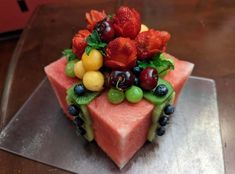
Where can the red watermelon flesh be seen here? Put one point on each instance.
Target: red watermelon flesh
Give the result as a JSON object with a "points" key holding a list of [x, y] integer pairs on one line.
{"points": [[59, 81], [120, 130]]}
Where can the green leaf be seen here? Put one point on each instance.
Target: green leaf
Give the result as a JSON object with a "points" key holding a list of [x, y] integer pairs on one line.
{"points": [[88, 50], [159, 62], [68, 53], [94, 42]]}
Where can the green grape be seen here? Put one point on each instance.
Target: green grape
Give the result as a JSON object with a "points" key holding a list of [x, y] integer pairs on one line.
{"points": [[115, 96], [69, 69], [134, 94]]}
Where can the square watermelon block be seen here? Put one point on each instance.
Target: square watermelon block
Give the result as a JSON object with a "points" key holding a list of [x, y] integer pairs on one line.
{"points": [[120, 130]]}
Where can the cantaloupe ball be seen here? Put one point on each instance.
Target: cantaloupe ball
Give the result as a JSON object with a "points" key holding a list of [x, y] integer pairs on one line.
{"points": [[79, 69]]}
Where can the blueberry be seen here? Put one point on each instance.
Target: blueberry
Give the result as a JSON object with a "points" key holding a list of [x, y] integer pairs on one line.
{"points": [[163, 121], [169, 109], [161, 90], [136, 81], [161, 131], [82, 131], [137, 70], [79, 89], [73, 110], [79, 121]]}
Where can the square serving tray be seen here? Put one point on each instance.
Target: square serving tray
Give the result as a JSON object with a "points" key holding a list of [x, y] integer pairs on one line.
{"points": [[191, 145]]}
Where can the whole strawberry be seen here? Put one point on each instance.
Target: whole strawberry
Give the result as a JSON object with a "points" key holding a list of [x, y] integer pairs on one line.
{"points": [[93, 17], [79, 42], [121, 54], [127, 22], [151, 42]]}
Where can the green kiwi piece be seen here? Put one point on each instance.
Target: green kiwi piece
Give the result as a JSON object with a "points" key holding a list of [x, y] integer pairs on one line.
{"points": [[85, 114], [89, 132], [152, 132], [156, 100], [84, 99]]}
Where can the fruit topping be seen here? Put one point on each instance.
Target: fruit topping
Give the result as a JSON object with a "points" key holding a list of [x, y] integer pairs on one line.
{"points": [[93, 61], [105, 30], [82, 131], [127, 22], [156, 100], [79, 42], [137, 70], [94, 42], [93, 80], [121, 54], [84, 99], [69, 69], [136, 81], [143, 28], [79, 89], [79, 69], [134, 94], [78, 121], [161, 131], [169, 109], [121, 79], [73, 110], [163, 121], [161, 90], [152, 132], [115, 96], [148, 78], [150, 42], [93, 17]]}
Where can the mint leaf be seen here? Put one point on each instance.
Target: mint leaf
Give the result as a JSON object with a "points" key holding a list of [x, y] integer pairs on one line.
{"points": [[88, 50], [159, 62], [68, 53], [94, 42], [143, 64]]}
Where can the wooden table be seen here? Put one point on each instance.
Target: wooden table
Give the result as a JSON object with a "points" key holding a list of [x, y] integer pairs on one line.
{"points": [[203, 32]]}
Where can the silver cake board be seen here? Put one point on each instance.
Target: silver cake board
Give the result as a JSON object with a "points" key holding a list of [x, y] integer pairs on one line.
{"points": [[191, 145]]}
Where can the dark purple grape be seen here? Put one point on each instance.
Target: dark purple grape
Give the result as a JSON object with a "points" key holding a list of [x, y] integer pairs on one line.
{"points": [[121, 79]]}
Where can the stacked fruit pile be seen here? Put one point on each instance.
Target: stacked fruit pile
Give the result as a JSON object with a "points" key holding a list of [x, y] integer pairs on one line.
{"points": [[119, 54]]}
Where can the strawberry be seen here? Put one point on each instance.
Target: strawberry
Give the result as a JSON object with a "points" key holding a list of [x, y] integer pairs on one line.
{"points": [[79, 42], [127, 22], [150, 42], [93, 17], [121, 54]]}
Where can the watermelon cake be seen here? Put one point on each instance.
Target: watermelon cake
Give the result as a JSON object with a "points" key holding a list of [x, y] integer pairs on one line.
{"points": [[117, 84]]}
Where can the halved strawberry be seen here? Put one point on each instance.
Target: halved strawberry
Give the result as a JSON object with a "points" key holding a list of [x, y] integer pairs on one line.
{"points": [[93, 17], [150, 42], [79, 42], [121, 54], [127, 22]]}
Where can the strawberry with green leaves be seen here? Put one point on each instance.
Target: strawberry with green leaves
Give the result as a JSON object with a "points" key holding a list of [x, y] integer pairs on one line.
{"points": [[79, 42]]}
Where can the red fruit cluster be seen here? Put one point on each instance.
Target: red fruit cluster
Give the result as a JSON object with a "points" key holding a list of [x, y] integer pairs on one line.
{"points": [[79, 42], [151, 42], [121, 54], [93, 17], [127, 22]]}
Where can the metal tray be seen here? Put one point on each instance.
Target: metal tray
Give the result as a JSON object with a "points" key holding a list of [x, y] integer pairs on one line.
{"points": [[192, 143]]}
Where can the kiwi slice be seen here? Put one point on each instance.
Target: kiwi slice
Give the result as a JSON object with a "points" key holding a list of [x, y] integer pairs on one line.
{"points": [[84, 99], [85, 114], [157, 111], [172, 98], [156, 100], [152, 132], [89, 132]]}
